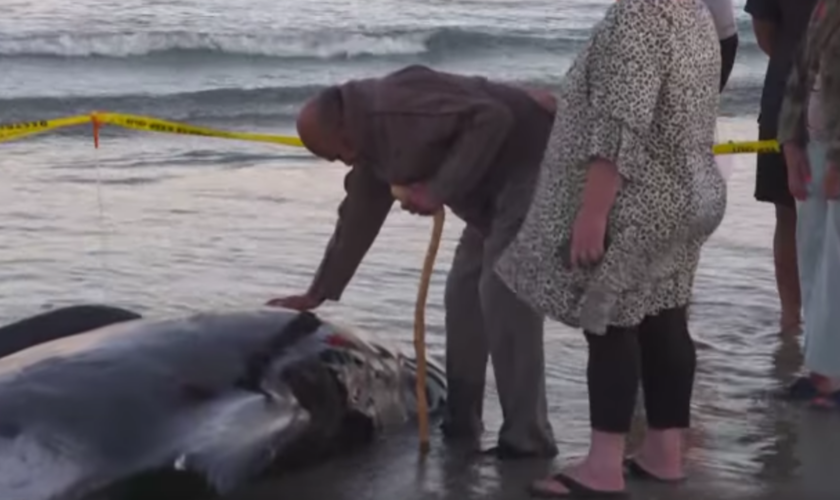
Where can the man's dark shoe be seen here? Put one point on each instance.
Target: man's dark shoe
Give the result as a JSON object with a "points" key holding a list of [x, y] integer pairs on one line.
{"points": [[507, 452], [802, 389], [455, 432]]}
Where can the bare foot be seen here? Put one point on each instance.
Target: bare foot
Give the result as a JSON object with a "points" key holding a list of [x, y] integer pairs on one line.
{"points": [[661, 454]]}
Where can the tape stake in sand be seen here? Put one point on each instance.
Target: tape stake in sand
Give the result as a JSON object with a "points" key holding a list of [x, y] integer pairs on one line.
{"points": [[96, 126]]}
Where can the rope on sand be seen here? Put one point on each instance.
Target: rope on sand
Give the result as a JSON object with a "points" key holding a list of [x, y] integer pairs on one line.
{"points": [[420, 321]]}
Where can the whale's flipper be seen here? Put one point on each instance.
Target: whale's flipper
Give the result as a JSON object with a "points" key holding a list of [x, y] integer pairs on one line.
{"points": [[238, 436]]}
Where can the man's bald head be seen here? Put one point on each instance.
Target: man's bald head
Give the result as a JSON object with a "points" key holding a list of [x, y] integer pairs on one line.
{"points": [[320, 126]]}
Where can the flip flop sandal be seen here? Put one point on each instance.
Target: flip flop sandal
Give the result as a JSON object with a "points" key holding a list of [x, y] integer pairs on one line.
{"points": [[828, 402], [802, 389], [632, 468], [576, 490], [503, 452], [507, 452]]}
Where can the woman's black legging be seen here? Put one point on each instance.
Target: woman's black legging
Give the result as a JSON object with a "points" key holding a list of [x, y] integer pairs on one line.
{"points": [[661, 354]]}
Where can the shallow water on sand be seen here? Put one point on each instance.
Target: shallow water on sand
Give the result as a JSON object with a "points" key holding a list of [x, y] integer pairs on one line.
{"points": [[205, 233]]}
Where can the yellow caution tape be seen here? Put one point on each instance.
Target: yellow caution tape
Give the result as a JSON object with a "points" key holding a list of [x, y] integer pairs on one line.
{"points": [[10, 136], [15, 131], [156, 125], [734, 148]]}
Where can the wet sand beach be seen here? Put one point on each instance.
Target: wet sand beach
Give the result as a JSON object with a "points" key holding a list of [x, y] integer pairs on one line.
{"points": [[187, 236]]}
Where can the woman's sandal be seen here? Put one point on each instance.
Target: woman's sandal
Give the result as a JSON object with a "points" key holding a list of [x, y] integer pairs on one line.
{"points": [[632, 468], [802, 389], [829, 402], [576, 490]]}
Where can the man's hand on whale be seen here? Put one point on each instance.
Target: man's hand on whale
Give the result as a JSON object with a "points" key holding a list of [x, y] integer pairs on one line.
{"points": [[305, 302]]}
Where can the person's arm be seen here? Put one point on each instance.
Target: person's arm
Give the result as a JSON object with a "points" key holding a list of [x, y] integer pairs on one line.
{"points": [[830, 79], [602, 185], [728, 50], [360, 218], [481, 131], [766, 16], [765, 32], [792, 124], [723, 15], [625, 80]]}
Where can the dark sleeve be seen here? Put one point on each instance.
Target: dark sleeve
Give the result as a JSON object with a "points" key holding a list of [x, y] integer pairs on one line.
{"points": [[800, 81], [830, 91], [481, 134], [765, 10], [360, 217], [728, 50], [440, 129]]}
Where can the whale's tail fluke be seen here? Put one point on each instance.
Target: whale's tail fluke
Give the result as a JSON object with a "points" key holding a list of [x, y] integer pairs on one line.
{"points": [[57, 324]]}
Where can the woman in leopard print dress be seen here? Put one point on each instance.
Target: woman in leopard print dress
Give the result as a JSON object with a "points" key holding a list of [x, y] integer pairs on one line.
{"points": [[628, 193]]}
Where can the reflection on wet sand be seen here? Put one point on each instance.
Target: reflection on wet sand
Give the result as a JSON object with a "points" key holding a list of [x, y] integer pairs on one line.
{"points": [[778, 457]]}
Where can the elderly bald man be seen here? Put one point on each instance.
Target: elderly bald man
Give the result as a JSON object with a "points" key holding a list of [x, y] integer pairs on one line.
{"points": [[474, 146]]}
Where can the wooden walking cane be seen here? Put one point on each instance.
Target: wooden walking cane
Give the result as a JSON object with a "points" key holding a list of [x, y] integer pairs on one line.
{"points": [[420, 320]]}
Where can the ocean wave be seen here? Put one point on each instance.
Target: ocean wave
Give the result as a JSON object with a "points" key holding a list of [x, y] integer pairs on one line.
{"points": [[208, 106], [303, 46], [268, 107], [323, 45]]}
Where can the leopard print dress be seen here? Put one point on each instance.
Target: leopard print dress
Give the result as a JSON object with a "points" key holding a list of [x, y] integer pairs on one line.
{"points": [[643, 93]]}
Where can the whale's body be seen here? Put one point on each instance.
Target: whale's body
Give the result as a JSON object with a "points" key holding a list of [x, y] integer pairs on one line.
{"points": [[223, 396]]}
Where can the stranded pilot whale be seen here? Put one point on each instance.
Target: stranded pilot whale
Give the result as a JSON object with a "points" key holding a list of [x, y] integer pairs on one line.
{"points": [[219, 396]]}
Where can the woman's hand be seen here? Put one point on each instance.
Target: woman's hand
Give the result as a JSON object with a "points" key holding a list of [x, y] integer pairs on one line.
{"points": [[588, 236], [304, 302], [590, 226], [798, 170]]}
